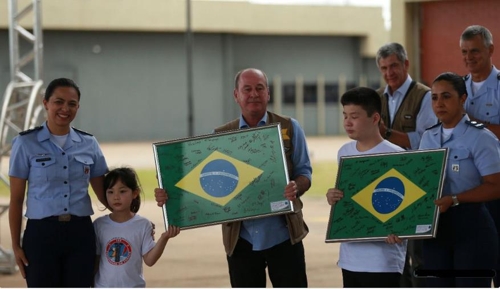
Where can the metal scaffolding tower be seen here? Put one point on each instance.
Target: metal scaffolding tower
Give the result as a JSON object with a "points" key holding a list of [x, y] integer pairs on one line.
{"points": [[22, 101], [22, 104]]}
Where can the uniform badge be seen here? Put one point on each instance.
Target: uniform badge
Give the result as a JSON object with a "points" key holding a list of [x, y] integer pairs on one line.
{"points": [[86, 170], [455, 168]]}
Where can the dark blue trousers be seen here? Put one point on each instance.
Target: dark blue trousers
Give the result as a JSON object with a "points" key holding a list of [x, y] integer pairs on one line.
{"points": [[285, 262], [370, 279], [466, 240], [494, 209], [414, 253], [60, 254]]}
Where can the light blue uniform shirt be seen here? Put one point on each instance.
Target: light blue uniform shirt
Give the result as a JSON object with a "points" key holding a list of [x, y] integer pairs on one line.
{"points": [[485, 104], [58, 178], [425, 117], [473, 153], [264, 233]]}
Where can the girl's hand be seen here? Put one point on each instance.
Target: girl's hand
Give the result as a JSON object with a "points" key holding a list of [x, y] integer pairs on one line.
{"points": [[171, 232], [393, 239], [333, 195]]}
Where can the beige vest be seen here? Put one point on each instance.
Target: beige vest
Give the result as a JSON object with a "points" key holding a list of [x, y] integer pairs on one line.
{"points": [[405, 118], [297, 228]]}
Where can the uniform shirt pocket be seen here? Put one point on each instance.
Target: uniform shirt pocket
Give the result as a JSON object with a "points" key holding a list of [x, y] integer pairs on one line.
{"points": [[42, 168], [80, 168], [489, 112], [460, 161]]}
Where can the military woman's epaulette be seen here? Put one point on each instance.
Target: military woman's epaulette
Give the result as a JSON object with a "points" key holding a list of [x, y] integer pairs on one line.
{"points": [[431, 127], [31, 130], [475, 124], [82, 132]]}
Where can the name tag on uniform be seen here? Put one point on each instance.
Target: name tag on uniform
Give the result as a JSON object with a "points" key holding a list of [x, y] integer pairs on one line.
{"points": [[455, 168], [42, 160]]}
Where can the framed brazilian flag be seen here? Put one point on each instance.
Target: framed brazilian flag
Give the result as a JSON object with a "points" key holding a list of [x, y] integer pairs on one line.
{"points": [[391, 193], [223, 177]]}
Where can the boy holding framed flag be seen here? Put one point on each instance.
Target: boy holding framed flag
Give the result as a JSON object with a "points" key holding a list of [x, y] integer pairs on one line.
{"points": [[372, 263]]}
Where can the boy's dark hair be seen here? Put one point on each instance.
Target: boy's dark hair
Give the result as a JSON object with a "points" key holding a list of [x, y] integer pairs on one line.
{"points": [[60, 82], [129, 178], [365, 97], [455, 80]]}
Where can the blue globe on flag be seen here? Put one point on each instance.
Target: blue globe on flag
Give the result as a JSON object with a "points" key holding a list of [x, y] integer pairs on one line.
{"points": [[219, 178], [388, 195]]}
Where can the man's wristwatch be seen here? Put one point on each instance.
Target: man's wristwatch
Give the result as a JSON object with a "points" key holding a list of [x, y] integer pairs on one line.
{"points": [[455, 200], [388, 133]]}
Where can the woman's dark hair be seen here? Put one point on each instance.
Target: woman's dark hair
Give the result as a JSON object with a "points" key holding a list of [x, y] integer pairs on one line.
{"points": [[455, 80], [129, 178], [60, 82]]}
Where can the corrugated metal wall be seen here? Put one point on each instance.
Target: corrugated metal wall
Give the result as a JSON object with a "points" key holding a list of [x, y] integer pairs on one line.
{"points": [[134, 84]]}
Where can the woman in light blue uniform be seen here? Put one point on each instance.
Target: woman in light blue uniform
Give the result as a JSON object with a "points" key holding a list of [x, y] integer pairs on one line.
{"points": [[54, 164], [466, 238]]}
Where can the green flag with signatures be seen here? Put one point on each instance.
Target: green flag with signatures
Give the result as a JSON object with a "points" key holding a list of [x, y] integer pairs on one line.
{"points": [[386, 194], [223, 177]]}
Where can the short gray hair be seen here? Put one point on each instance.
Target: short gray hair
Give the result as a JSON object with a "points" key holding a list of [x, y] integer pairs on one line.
{"points": [[473, 30], [390, 49]]}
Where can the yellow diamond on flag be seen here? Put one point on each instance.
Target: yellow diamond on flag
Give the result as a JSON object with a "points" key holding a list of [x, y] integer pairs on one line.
{"points": [[388, 195], [219, 178]]}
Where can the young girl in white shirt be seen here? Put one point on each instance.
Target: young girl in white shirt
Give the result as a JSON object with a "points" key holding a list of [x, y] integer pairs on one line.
{"points": [[123, 237]]}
